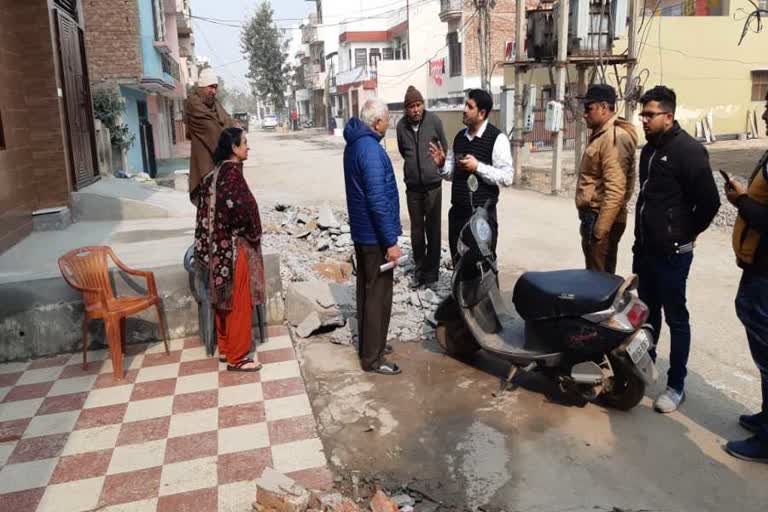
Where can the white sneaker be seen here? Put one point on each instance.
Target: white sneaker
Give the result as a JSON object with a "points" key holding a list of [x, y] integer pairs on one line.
{"points": [[669, 401]]}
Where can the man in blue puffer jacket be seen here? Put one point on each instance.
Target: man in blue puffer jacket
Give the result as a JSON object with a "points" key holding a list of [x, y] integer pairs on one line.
{"points": [[373, 206]]}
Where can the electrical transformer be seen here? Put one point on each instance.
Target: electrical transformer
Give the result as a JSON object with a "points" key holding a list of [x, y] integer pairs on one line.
{"points": [[593, 25]]}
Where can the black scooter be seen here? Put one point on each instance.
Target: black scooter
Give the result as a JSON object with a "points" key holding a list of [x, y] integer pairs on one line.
{"points": [[584, 328]]}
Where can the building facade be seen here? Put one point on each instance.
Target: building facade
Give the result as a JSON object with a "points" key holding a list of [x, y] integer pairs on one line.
{"points": [[134, 51], [47, 142], [712, 75]]}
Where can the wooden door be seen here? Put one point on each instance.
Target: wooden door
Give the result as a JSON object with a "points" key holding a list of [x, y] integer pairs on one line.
{"points": [[77, 101]]}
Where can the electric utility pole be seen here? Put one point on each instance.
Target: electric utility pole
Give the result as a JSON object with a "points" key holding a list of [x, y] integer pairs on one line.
{"points": [[561, 63], [484, 36], [520, 56]]}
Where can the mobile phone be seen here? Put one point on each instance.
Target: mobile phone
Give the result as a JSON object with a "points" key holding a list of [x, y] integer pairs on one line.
{"points": [[726, 178], [436, 141]]}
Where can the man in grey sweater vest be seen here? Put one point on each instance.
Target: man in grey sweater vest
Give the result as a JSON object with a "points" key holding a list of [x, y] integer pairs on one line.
{"points": [[415, 131]]}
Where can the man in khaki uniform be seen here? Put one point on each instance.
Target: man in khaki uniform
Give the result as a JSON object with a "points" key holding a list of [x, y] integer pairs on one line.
{"points": [[205, 118], [606, 179]]}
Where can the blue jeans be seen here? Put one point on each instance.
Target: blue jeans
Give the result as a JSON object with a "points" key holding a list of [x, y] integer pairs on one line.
{"points": [[752, 310], [662, 285]]}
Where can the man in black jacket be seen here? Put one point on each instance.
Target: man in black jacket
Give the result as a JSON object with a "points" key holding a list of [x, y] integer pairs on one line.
{"points": [[423, 188], [750, 243], [677, 202]]}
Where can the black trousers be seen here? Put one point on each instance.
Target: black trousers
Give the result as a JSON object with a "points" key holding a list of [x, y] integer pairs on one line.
{"points": [[374, 304], [458, 217], [424, 209]]}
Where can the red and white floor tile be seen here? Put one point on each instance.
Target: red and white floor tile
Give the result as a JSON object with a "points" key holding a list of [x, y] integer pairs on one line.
{"points": [[180, 433]]}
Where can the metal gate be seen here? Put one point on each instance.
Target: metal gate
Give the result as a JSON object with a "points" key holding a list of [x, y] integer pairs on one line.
{"points": [[77, 101]]}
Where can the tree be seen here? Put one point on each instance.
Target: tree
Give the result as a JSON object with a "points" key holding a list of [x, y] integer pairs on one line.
{"points": [[266, 50]]}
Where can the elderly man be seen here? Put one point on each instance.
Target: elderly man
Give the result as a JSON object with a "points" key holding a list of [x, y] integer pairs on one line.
{"points": [[606, 178], [205, 118], [374, 218], [422, 184]]}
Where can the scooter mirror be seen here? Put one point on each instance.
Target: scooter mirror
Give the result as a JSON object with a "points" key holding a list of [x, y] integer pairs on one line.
{"points": [[472, 183]]}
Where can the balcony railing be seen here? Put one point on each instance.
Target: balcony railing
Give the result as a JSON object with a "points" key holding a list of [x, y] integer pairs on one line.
{"points": [[451, 9], [359, 74], [309, 30], [170, 66]]}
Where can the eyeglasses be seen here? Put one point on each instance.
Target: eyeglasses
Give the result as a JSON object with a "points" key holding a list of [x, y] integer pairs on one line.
{"points": [[650, 115]]}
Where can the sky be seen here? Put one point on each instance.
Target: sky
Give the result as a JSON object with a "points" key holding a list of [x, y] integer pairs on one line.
{"points": [[221, 44]]}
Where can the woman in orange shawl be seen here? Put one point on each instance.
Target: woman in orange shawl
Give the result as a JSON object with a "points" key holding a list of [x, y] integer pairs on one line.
{"points": [[228, 249]]}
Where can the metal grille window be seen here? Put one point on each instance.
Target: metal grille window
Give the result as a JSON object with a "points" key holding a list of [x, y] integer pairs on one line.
{"points": [[759, 85], [69, 6], [454, 54], [158, 17], [360, 57], [388, 53], [374, 57]]}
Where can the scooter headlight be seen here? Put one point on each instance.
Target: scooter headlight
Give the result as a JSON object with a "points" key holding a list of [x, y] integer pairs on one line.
{"points": [[483, 230]]}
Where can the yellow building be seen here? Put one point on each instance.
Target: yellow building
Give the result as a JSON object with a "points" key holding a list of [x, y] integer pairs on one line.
{"points": [[693, 47]]}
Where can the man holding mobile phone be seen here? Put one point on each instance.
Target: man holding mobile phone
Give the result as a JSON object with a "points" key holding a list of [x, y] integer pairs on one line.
{"points": [[423, 184], [485, 152], [750, 243]]}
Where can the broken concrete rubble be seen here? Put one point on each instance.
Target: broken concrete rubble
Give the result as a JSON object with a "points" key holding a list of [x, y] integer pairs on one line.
{"points": [[309, 325], [308, 298], [278, 493], [321, 256], [326, 218], [381, 503]]}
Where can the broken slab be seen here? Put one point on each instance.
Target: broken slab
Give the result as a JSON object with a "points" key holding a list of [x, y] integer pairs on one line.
{"points": [[338, 272], [309, 325], [307, 297], [279, 493], [381, 503], [326, 218]]}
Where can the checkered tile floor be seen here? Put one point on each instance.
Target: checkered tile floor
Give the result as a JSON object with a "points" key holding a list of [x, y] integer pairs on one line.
{"points": [[180, 433]]}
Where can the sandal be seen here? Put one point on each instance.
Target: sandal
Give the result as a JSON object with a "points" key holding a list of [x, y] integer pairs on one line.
{"points": [[388, 349], [238, 367], [222, 359], [388, 369]]}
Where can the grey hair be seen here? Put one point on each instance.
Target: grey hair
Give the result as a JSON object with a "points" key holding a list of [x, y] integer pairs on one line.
{"points": [[373, 110]]}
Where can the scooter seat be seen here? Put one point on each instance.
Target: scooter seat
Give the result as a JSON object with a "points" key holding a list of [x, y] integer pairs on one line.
{"points": [[562, 293]]}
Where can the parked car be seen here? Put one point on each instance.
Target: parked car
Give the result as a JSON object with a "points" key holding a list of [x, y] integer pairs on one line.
{"points": [[270, 123]]}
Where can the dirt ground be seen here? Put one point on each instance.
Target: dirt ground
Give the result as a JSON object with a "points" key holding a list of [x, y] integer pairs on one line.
{"points": [[443, 429]]}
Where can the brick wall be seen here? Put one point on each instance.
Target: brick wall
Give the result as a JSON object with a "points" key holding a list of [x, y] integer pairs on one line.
{"points": [[33, 168], [112, 40], [502, 30]]}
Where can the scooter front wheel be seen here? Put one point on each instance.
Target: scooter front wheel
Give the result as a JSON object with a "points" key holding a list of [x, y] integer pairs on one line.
{"points": [[455, 339]]}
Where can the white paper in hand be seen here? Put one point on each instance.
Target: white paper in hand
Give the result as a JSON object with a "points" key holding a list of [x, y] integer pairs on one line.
{"points": [[390, 265]]}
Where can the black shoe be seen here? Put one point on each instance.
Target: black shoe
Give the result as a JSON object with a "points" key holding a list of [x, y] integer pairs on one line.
{"points": [[752, 422], [416, 283], [388, 349], [753, 449]]}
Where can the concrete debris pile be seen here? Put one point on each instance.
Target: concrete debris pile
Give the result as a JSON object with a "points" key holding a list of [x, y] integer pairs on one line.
{"points": [[276, 492], [318, 267]]}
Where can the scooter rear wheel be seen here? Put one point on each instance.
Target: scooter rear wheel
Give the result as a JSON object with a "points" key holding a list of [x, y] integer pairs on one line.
{"points": [[455, 339], [628, 388]]}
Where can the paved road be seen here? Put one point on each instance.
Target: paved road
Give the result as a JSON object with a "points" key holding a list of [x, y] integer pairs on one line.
{"points": [[523, 449]]}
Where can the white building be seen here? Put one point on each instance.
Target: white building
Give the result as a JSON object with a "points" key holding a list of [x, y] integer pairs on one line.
{"points": [[354, 49]]}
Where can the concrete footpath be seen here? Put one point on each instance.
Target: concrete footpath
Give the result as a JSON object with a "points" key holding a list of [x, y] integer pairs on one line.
{"points": [[41, 315]]}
